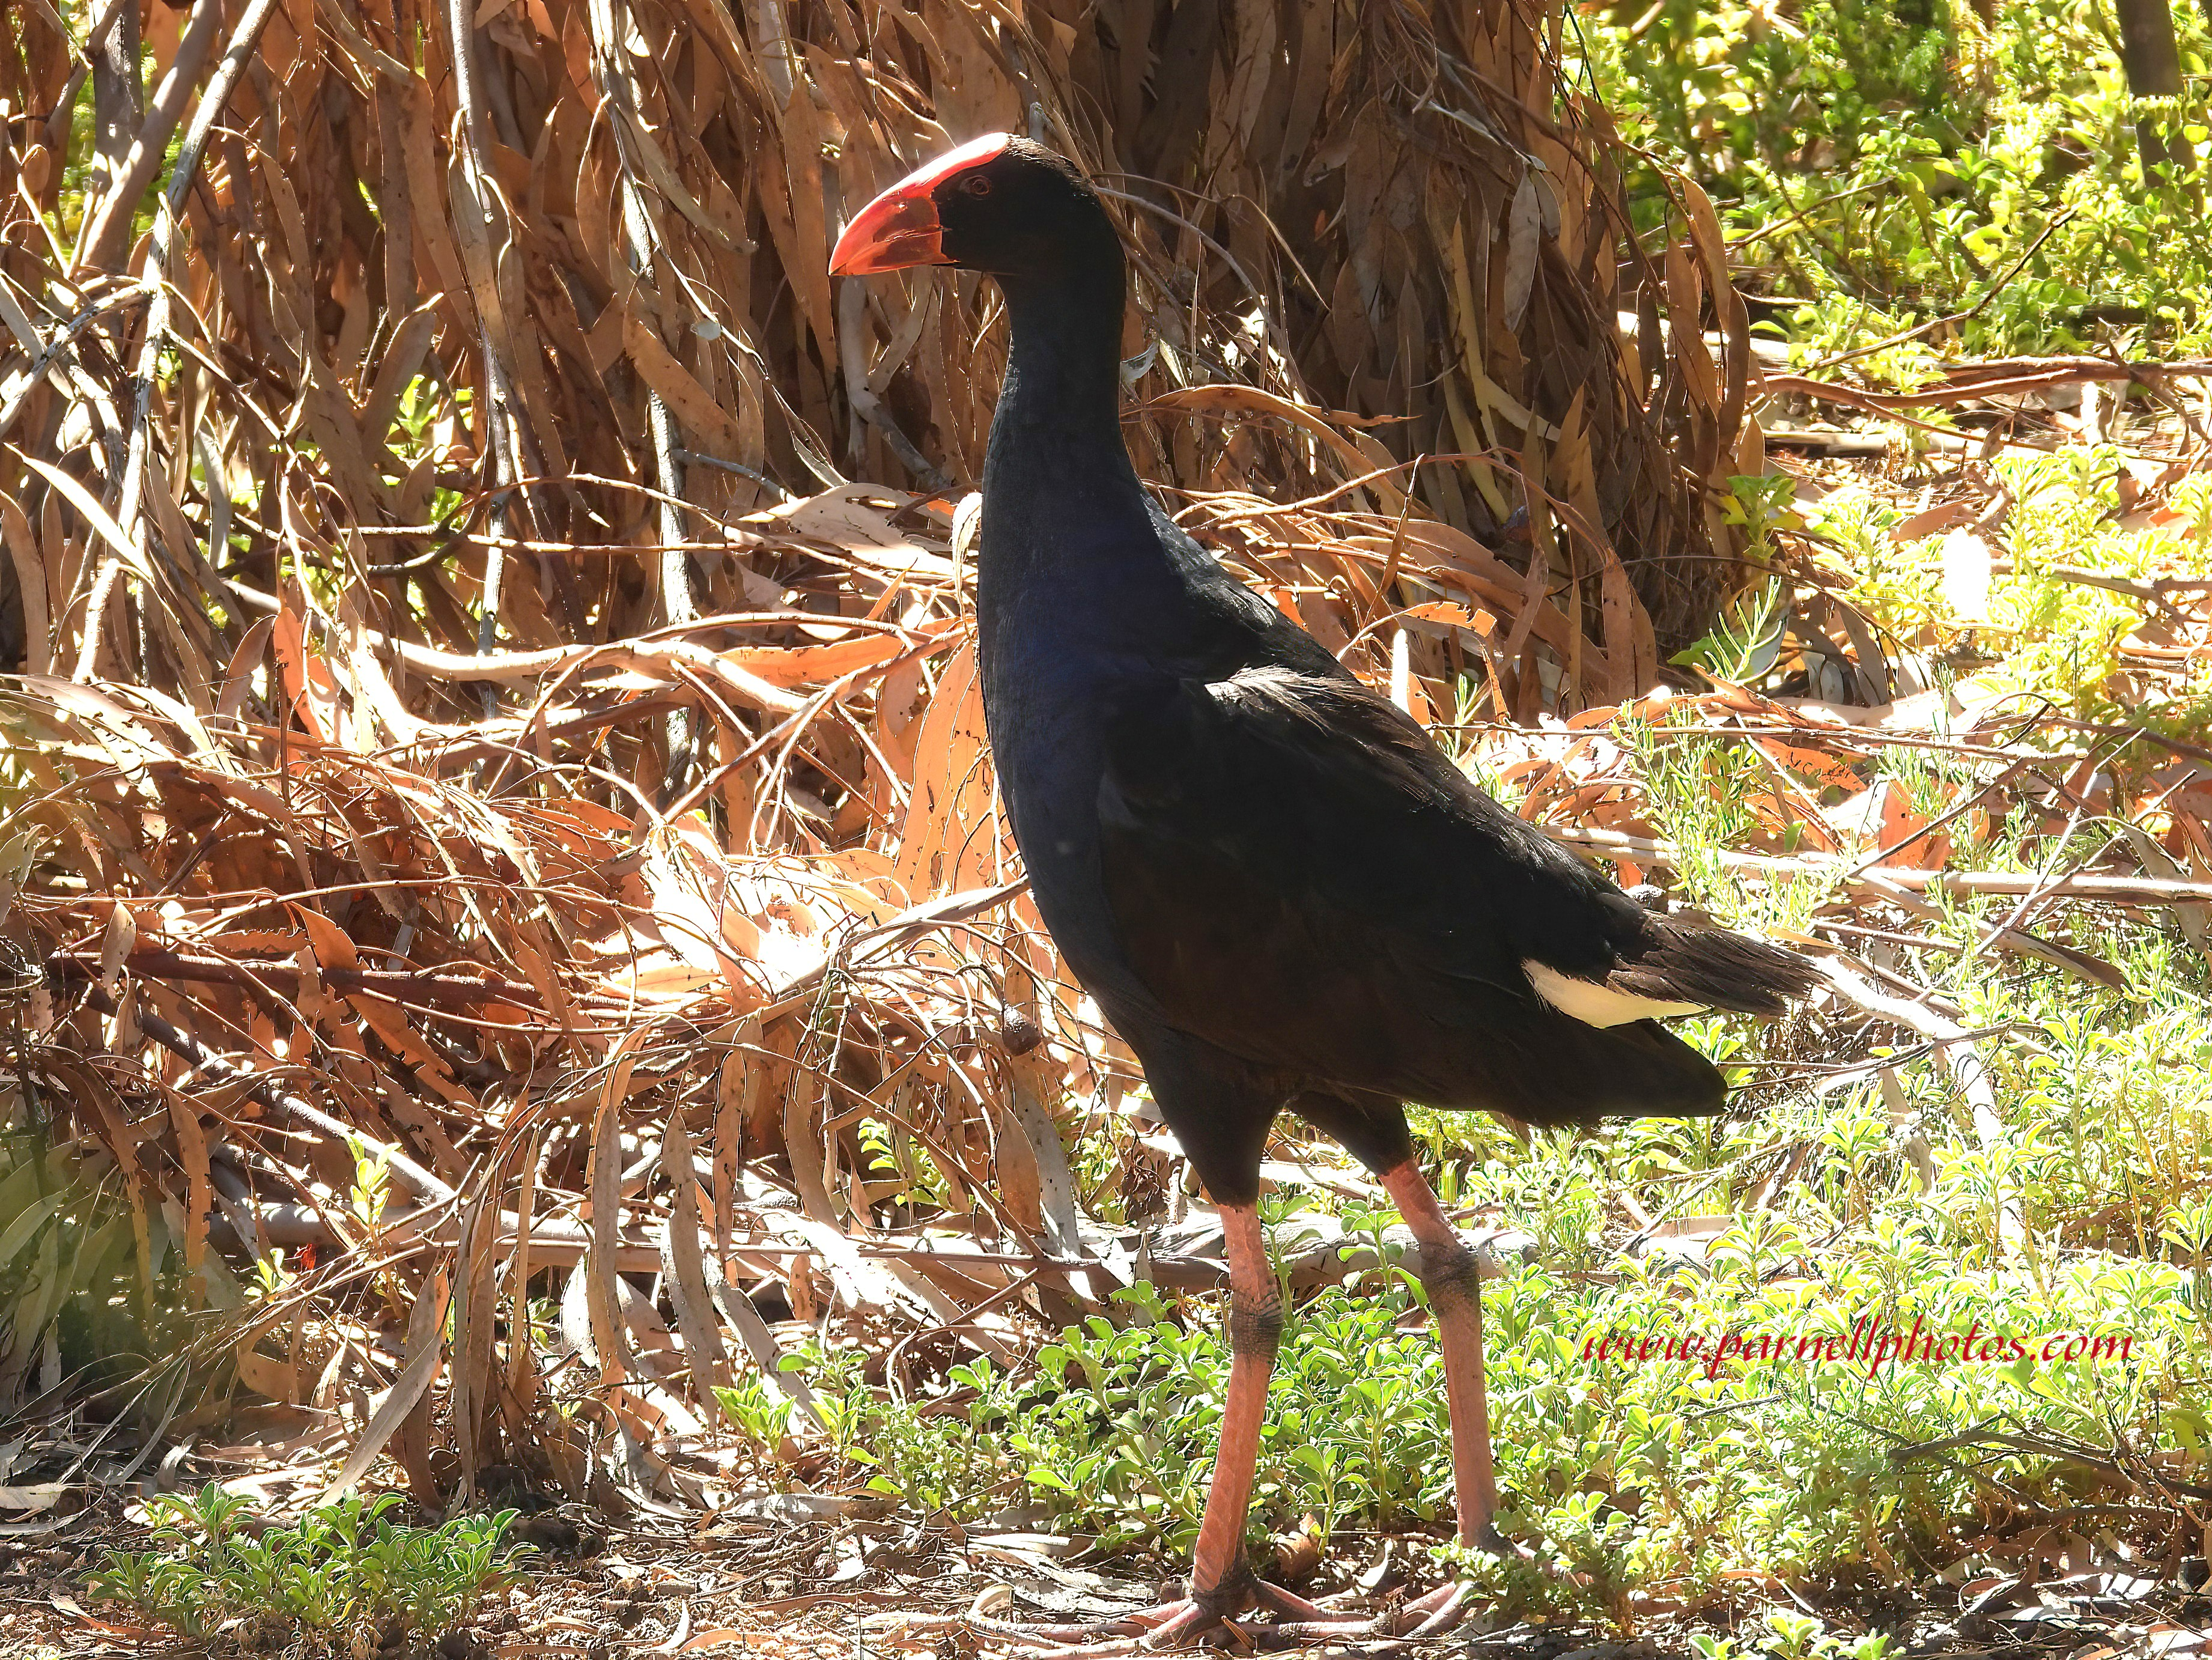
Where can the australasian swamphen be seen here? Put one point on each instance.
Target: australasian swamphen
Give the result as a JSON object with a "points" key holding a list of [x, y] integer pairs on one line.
{"points": [[1278, 889]]}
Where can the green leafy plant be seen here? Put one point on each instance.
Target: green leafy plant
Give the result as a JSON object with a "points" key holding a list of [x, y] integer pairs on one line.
{"points": [[2045, 635], [77, 1300], [1743, 644], [1911, 170], [763, 1415], [346, 1568]]}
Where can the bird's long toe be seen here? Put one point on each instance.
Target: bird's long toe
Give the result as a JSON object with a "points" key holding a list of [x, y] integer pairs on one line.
{"points": [[1443, 1609], [1439, 1611], [1190, 1621]]}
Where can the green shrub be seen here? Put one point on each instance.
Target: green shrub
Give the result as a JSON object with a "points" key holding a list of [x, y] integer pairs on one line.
{"points": [[344, 1570], [1879, 167]]}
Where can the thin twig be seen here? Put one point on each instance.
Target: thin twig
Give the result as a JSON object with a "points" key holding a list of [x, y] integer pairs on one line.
{"points": [[187, 1047]]}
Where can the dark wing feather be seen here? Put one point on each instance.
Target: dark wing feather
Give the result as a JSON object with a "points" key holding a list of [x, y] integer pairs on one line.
{"points": [[1299, 876]]}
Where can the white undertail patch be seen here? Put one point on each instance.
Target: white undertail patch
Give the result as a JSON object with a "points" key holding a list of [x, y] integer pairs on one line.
{"points": [[1595, 1005]]}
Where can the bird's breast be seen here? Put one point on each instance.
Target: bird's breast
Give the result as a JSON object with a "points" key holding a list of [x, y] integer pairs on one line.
{"points": [[1047, 712], [1047, 741]]}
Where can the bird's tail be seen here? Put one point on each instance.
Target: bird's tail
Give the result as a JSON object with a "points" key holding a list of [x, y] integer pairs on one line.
{"points": [[1694, 962]]}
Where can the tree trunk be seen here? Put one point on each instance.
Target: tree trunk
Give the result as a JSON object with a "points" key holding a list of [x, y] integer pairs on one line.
{"points": [[2152, 59]]}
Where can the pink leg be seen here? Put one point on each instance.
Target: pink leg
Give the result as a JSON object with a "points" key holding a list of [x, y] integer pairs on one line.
{"points": [[1222, 1583], [1219, 1577], [1448, 1274]]}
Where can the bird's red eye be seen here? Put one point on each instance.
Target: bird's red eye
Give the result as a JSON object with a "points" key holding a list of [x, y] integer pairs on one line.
{"points": [[975, 185]]}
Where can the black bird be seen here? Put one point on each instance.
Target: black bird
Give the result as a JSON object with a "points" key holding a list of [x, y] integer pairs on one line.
{"points": [[1278, 889]]}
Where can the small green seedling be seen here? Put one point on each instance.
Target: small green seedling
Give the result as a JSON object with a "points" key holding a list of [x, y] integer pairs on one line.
{"points": [[345, 1569]]}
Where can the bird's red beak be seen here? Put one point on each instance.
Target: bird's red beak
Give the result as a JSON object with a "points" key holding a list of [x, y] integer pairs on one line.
{"points": [[900, 228]]}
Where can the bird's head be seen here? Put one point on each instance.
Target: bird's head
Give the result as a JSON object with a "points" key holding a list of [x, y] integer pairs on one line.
{"points": [[998, 204]]}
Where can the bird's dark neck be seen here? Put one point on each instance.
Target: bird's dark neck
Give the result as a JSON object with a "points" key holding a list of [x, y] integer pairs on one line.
{"points": [[1074, 579], [1056, 449]]}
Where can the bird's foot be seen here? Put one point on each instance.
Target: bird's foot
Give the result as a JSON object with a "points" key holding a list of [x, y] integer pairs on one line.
{"points": [[1443, 1609], [1220, 1619], [1186, 1621]]}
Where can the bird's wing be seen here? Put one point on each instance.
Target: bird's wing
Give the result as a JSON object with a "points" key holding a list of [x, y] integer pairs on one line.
{"points": [[1297, 875]]}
